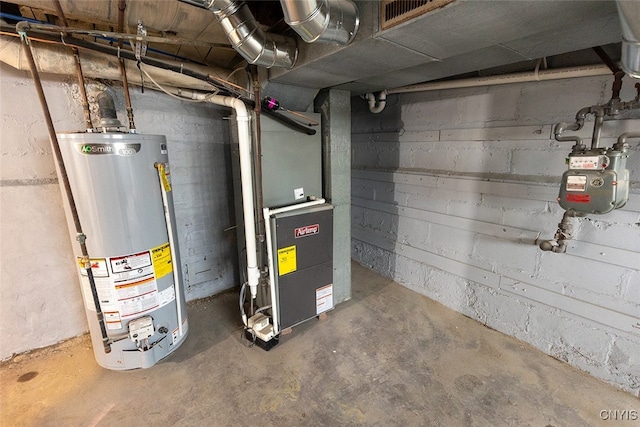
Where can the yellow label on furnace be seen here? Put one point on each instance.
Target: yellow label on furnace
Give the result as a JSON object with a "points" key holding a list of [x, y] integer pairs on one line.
{"points": [[161, 257], [287, 260]]}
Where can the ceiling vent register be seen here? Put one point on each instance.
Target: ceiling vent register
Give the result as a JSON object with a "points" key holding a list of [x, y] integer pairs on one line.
{"points": [[394, 12]]}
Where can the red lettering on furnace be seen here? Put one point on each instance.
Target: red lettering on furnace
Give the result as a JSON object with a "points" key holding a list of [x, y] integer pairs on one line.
{"points": [[307, 230]]}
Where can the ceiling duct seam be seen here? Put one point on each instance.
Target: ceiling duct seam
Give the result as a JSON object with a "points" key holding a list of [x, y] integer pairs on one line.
{"points": [[322, 21], [253, 44]]}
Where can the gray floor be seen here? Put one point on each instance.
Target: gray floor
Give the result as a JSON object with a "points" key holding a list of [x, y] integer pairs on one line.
{"points": [[386, 357]]}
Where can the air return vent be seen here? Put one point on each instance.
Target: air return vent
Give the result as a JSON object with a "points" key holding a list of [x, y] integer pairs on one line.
{"points": [[394, 12]]}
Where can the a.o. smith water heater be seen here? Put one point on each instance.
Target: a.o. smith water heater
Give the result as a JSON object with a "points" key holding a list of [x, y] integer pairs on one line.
{"points": [[122, 191]]}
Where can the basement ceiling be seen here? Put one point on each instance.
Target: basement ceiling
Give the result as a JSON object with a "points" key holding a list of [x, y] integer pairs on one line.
{"points": [[444, 38]]}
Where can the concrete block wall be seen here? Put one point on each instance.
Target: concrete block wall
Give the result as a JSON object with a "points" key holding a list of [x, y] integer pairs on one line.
{"points": [[40, 300], [451, 190]]}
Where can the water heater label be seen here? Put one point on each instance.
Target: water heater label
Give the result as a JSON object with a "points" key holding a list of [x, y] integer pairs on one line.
{"points": [[287, 261], [166, 296], [324, 299], [576, 183], [126, 285], [162, 263], [307, 230], [130, 262], [98, 267]]}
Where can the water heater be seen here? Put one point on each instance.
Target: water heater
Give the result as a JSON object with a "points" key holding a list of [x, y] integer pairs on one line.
{"points": [[122, 190]]}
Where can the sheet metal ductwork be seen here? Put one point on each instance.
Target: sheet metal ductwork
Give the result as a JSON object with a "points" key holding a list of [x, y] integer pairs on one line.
{"points": [[246, 37], [323, 21], [629, 12]]}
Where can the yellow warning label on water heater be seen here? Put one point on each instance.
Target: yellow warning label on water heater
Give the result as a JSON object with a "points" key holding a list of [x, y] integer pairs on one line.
{"points": [[161, 257], [287, 260]]}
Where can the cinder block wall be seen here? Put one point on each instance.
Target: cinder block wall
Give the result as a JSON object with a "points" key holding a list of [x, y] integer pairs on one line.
{"points": [[452, 188], [40, 299]]}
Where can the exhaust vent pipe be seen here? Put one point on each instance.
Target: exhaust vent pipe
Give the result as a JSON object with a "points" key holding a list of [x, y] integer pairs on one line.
{"points": [[629, 12], [323, 21], [246, 37]]}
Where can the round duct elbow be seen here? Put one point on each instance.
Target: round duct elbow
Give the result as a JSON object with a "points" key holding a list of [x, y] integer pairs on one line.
{"points": [[324, 21], [246, 37]]}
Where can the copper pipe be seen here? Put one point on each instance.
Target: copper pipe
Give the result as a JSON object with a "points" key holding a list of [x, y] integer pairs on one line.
{"points": [[76, 54], [57, 154], [122, 5]]}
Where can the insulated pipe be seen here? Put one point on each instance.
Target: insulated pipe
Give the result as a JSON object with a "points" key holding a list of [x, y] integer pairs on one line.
{"points": [[322, 21], [530, 76], [246, 37], [177, 71]]}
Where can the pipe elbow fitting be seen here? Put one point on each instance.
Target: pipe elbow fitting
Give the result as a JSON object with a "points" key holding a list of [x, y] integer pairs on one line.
{"points": [[376, 105], [548, 245]]}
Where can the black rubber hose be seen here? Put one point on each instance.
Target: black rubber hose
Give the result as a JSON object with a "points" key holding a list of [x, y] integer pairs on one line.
{"points": [[289, 122], [126, 54]]}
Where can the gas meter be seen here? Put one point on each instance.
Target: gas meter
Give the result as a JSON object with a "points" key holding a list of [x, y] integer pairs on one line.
{"points": [[597, 180]]}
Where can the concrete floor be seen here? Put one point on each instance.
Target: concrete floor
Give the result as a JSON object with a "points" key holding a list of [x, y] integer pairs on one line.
{"points": [[386, 357]]}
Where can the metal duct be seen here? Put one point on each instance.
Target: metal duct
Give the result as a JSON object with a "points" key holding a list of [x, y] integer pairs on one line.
{"points": [[629, 12], [246, 37], [325, 21]]}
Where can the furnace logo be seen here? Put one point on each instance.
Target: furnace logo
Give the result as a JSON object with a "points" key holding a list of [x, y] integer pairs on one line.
{"points": [[307, 230]]}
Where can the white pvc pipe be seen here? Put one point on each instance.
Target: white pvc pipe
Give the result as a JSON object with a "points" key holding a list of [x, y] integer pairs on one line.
{"points": [[532, 76], [272, 276], [244, 142], [297, 206], [176, 279], [381, 102]]}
